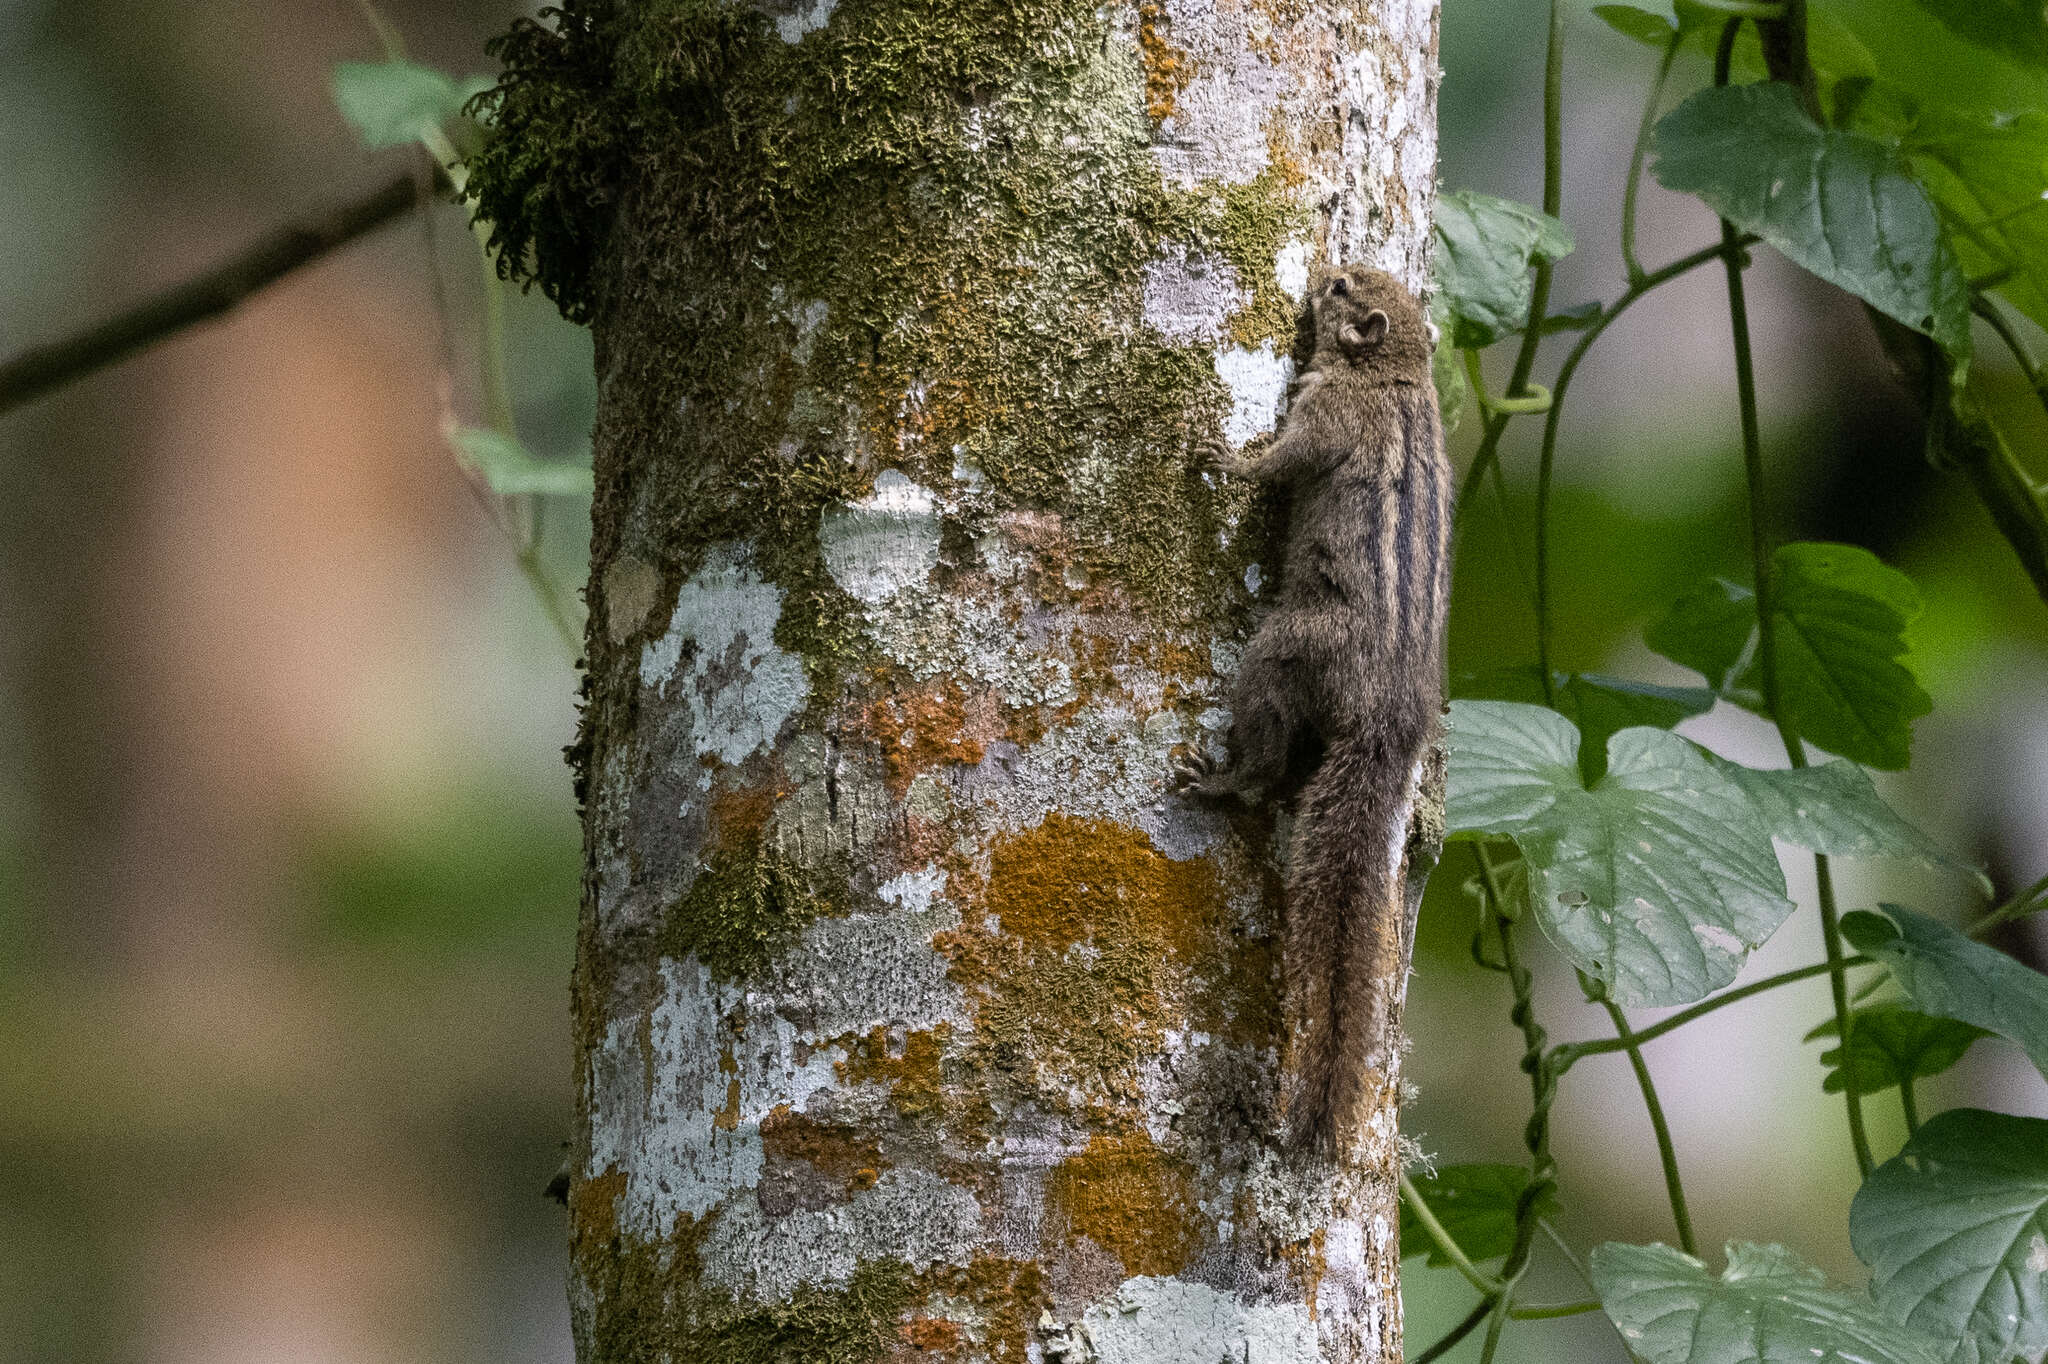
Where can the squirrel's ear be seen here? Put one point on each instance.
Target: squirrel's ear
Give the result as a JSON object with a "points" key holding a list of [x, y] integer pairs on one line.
{"points": [[1375, 327]]}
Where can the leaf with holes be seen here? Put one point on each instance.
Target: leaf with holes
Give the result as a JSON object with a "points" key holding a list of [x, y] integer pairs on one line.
{"points": [[1476, 1205], [1484, 248], [1658, 878], [1768, 1305], [1839, 203], [1840, 618], [392, 103], [1955, 1231], [1952, 976], [1889, 1045]]}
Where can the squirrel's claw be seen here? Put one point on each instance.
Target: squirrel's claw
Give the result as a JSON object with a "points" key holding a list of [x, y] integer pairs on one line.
{"points": [[1191, 774]]}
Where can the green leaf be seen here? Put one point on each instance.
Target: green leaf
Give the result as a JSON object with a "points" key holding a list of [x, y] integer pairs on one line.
{"points": [[1476, 1205], [1768, 1305], [1484, 248], [1657, 880], [1890, 1044], [1639, 24], [1835, 809], [2015, 28], [1599, 706], [1451, 389], [1955, 1231], [511, 470], [1840, 618], [396, 102], [1952, 976], [1711, 630], [1841, 204], [1990, 175]]}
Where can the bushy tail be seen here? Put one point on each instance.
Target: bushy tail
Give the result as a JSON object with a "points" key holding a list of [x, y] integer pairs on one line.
{"points": [[1345, 908]]}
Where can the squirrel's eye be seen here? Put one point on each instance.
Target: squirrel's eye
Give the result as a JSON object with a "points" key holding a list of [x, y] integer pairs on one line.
{"points": [[1340, 286]]}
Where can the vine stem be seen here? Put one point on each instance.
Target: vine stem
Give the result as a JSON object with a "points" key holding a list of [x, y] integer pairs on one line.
{"points": [[1539, 308], [1445, 1242], [1667, 1152], [1546, 461], [1636, 158], [1564, 1057], [1766, 600]]}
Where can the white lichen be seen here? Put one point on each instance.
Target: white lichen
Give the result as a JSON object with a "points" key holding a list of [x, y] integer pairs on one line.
{"points": [[1257, 380], [718, 662], [1169, 1321], [884, 543]]}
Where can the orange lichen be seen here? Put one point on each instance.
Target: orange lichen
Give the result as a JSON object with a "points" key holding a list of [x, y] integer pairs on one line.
{"points": [[920, 732], [1130, 1199], [1074, 952], [835, 1150], [932, 1333], [1168, 69], [1007, 1297], [1072, 880], [738, 816], [912, 1077]]}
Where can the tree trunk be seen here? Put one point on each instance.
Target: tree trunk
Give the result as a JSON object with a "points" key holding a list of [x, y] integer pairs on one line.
{"points": [[915, 1020]]}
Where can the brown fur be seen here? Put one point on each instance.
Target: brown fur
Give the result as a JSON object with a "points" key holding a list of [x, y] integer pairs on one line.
{"points": [[1341, 687]]}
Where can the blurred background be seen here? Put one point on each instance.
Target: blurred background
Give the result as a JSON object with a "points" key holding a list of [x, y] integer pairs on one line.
{"points": [[288, 858]]}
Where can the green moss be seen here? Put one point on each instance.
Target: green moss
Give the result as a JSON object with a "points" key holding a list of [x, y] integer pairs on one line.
{"points": [[748, 904], [968, 191], [651, 1308], [1258, 218]]}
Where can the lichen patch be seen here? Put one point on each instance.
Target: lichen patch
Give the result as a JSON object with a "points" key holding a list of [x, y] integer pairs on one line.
{"points": [[1152, 1320], [885, 542], [718, 661]]}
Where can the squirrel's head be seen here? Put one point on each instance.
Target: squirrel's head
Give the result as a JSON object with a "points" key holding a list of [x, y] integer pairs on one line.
{"points": [[1364, 318]]}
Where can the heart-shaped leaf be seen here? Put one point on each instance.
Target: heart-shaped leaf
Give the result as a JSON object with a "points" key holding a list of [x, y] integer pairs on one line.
{"points": [[1658, 879], [1476, 1205], [1842, 204], [1600, 706], [1767, 1307], [1955, 1231], [1484, 248], [1952, 976], [1890, 1044]]}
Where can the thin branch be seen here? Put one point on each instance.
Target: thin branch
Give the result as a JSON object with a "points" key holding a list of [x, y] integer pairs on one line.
{"points": [[1456, 1334], [41, 369]]}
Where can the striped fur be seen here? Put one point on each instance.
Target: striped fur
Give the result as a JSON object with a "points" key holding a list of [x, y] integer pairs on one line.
{"points": [[1341, 687]]}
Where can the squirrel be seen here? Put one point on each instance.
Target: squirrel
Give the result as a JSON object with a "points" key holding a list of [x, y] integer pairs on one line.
{"points": [[1342, 685]]}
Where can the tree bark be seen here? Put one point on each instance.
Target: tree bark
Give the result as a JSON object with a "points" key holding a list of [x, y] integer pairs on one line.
{"points": [[915, 1020]]}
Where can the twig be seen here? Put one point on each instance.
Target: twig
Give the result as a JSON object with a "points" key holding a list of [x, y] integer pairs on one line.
{"points": [[41, 369]]}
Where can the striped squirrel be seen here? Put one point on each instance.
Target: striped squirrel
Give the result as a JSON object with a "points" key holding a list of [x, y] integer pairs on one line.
{"points": [[1342, 685]]}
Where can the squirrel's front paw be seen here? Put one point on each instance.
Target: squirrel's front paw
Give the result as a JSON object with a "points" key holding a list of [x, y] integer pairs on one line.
{"points": [[1191, 774], [1215, 455]]}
